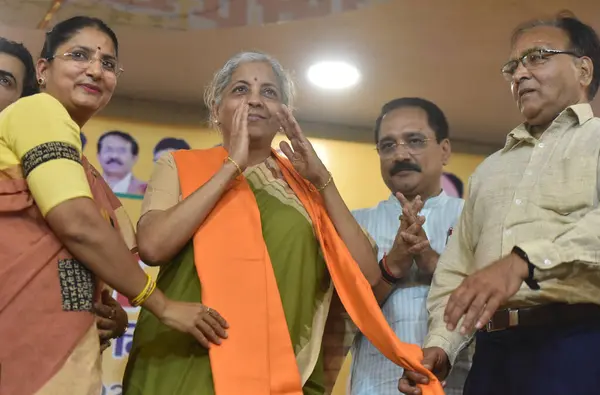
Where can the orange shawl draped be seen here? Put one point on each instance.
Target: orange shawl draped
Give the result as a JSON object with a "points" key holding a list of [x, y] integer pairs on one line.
{"points": [[238, 281]]}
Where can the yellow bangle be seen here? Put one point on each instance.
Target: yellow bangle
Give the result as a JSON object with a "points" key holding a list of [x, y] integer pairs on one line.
{"points": [[229, 159], [135, 301], [146, 292], [144, 297], [326, 184]]}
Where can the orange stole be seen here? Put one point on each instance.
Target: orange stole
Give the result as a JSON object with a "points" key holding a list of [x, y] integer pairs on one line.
{"points": [[238, 281]]}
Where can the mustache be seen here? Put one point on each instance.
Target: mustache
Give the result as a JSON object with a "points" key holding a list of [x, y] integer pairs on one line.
{"points": [[114, 160], [404, 166]]}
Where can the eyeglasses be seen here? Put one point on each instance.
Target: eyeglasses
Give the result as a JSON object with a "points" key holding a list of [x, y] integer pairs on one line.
{"points": [[532, 60], [84, 58], [414, 146]]}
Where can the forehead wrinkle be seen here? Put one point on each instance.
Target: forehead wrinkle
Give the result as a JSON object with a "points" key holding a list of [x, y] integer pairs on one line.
{"points": [[543, 37], [395, 133], [410, 133], [264, 84]]}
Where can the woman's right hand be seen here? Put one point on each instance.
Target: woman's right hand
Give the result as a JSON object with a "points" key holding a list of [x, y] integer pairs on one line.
{"points": [[239, 140], [200, 321]]}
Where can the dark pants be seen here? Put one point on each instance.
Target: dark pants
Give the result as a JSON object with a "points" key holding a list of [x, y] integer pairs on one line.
{"points": [[536, 361]]}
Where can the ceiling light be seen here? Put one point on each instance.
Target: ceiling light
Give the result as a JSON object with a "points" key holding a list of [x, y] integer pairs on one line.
{"points": [[333, 75]]}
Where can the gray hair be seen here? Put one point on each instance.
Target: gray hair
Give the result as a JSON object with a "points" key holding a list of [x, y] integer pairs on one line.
{"points": [[214, 92], [583, 41]]}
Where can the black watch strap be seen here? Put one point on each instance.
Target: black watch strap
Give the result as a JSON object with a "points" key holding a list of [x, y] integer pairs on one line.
{"points": [[530, 281]]}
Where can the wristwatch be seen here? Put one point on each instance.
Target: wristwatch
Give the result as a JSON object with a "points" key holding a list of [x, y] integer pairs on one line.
{"points": [[530, 281]]}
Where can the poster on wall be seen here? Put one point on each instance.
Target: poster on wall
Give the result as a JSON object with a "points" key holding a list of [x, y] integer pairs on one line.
{"points": [[125, 153], [118, 152]]}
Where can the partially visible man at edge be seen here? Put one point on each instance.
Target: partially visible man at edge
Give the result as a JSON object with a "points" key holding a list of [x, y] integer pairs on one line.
{"points": [[410, 228], [523, 269], [169, 144], [17, 79]]}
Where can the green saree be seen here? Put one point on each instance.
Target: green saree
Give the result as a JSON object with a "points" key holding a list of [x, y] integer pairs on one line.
{"points": [[165, 362]]}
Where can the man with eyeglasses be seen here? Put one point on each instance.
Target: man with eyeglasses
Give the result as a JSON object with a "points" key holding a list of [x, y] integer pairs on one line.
{"points": [[522, 271], [411, 135]]}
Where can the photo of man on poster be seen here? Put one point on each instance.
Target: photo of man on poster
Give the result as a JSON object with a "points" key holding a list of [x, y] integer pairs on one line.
{"points": [[117, 154]]}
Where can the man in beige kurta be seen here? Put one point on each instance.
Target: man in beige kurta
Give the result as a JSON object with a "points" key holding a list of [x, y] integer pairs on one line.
{"points": [[522, 269]]}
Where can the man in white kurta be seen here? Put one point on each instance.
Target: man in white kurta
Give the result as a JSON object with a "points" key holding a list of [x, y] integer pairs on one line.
{"points": [[412, 141]]}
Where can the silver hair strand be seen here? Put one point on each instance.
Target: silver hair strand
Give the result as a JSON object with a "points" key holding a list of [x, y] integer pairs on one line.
{"points": [[214, 92]]}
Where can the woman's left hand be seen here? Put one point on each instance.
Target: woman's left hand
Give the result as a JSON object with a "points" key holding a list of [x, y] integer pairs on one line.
{"points": [[111, 319], [301, 154]]}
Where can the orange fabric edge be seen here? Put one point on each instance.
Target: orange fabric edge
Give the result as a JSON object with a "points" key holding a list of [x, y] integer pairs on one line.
{"points": [[237, 206], [237, 279], [352, 287]]}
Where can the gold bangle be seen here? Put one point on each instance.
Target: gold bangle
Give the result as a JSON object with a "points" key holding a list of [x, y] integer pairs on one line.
{"points": [[145, 296], [326, 184], [146, 292], [135, 301], [229, 159], [145, 289]]}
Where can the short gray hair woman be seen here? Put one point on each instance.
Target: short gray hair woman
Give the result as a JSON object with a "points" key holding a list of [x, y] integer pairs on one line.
{"points": [[249, 100]]}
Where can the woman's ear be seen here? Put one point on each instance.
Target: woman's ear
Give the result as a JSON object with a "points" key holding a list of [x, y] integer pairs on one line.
{"points": [[41, 71]]}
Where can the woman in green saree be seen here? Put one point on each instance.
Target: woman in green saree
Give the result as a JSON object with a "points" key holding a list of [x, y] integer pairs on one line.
{"points": [[248, 100]]}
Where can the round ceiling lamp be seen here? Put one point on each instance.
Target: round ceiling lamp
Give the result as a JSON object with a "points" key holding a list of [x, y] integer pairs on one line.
{"points": [[333, 75]]}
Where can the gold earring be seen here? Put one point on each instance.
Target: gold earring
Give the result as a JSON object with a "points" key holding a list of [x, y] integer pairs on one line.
{"points": [[41, 82]]}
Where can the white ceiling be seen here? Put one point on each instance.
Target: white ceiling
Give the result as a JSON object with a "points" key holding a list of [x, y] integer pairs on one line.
{"points": [[447, 51]]}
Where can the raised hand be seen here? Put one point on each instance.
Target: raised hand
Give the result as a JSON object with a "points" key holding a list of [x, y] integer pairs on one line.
{"points": [[400, 258], [239, 139], [418, 241], [202, 322], [425, 257], [301, 153], [410, 210]]}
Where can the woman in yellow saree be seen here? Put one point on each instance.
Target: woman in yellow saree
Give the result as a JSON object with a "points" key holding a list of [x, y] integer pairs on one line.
{"points": [[259, 239], [58, 243], [18, 71]]}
